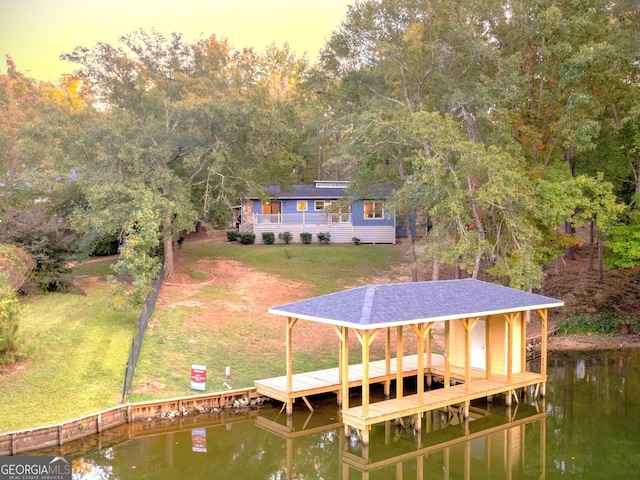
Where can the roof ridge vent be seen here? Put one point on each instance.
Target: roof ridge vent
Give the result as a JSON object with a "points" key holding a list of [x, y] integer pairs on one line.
{"points": [[367, 304], [331, 183]]}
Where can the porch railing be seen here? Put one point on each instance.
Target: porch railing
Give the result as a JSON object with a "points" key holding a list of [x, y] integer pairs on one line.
{"points": [[301, 218]]}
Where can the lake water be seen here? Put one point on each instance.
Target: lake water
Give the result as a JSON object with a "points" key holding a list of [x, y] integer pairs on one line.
{"points": [[587, 427]]}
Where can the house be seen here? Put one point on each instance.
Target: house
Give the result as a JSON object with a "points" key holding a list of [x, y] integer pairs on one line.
{"points": [[324, 206], [484, 348]]}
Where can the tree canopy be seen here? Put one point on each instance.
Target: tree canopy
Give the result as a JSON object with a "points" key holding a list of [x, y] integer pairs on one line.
{"points": [[494, 122]]}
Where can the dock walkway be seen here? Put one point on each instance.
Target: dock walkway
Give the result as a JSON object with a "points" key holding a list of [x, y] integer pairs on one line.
{"points": [[318, 382], [362, 418]]}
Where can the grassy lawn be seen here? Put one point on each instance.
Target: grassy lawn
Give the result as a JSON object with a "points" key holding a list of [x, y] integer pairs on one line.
{"points": [[329, 268], [77, 350], [78, 347]]}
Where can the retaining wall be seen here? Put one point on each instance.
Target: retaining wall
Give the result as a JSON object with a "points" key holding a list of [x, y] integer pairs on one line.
{"points": [[15, 443]]}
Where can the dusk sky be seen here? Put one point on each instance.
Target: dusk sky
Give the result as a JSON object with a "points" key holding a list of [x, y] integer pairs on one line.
{"points": [[36, 32]]}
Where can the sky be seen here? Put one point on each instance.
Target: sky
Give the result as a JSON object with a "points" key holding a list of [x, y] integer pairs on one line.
{"points": [[36, 32]]}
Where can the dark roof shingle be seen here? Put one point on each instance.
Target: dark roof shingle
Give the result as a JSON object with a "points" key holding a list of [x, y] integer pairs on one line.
{"points": [[374, 306]]}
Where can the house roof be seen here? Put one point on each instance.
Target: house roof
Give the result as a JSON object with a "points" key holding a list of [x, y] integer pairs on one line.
{"points": [[386, 305], [312, 192], [307, 192]]}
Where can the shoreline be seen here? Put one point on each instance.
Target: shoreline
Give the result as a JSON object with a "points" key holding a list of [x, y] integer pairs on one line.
{"points": [[558, 343]]}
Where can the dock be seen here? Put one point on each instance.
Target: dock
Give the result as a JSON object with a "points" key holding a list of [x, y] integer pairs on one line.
{"points": [[458, 395], [485, 348], [304, 385]]}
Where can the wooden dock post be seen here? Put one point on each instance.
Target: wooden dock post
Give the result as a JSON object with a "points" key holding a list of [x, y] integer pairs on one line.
{"points": [[289, 354], [387, 362], [543, 351], [399, 358]]}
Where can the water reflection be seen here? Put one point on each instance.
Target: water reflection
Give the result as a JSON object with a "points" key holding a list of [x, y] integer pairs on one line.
{"points": [[587, 427], [268, 444], [593, 405]]}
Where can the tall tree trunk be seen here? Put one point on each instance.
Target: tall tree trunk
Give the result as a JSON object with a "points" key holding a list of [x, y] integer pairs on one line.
{"points": [[476, 210], [167, 241], [435, 272], [412, 248], [570, 251], [600, 261], [569, 228], [591, 242]]}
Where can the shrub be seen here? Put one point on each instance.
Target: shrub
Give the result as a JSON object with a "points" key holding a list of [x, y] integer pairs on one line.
{"points": [[602, 324], [286, 237], [247, 238], [232, 235], [268, 238], [46, 240], [324, 237], [355, 241], [9, 311], [306, 237], [16, 270]]}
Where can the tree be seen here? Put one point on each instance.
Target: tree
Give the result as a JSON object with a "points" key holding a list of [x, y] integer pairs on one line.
{"points": [[36, 126], [565, 85], [35, 123], [479, 200], [47, 240], [142, 134], [600, 208], [138, 266], [390, 60], [540, 81], [624, 241], [188, 126]]}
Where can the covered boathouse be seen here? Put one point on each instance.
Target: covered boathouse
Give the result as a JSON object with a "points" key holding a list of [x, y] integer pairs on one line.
{"points": [[484, 347]]}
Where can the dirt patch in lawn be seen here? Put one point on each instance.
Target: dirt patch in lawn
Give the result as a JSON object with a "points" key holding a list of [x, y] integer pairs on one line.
{"points": [[241, 294]]}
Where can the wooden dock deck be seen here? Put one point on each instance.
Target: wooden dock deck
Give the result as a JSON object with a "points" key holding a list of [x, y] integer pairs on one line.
{"points": [[328, 380], [361, 418]]}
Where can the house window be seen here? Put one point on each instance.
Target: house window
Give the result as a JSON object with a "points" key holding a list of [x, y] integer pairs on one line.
{"points": [[302, 205], [339, 213], [373, 209], [319, 205]]}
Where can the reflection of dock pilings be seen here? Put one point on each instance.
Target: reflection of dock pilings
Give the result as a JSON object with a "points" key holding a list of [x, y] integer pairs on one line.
{"points": [[496, 439]]}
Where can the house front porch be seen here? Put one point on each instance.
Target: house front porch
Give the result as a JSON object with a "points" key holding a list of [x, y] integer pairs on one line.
{"points": [[340, 231]]}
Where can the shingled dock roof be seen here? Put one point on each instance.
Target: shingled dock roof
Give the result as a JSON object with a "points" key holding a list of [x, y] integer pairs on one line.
{"points": [[393, 304]]}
